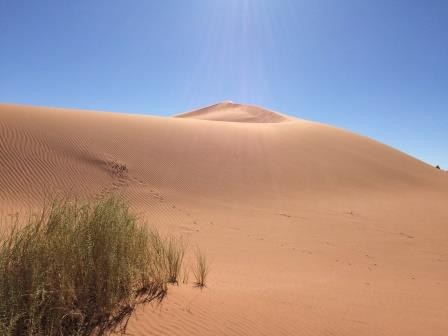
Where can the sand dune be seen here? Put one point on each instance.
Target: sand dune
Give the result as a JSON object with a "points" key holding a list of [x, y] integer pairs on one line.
{"points": [[231, 112], [312, 230]]}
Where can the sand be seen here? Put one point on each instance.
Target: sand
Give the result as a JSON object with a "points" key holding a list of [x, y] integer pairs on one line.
{"points": [[310, 229]]}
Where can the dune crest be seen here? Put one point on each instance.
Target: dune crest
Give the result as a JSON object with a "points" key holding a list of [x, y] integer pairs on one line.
{"points": [[229, 111]]}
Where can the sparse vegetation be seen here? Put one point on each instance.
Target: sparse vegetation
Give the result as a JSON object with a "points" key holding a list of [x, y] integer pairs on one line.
{"points": [[200, 269], [80, 269], [175, 251], [117, 168]]}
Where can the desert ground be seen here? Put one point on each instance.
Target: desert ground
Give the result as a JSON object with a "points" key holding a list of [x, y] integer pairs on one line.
{"points": [[309, 229]]}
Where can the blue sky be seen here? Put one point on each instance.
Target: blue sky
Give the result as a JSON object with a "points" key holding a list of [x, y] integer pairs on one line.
{"points": [[376, 67]]}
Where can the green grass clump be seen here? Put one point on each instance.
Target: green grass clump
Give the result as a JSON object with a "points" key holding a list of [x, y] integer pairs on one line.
{"points": [[175, 251], [80, 269], [200, 269]]}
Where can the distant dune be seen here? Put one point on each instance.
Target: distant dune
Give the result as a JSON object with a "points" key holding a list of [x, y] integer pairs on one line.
{"points": [[312, 230], [229, 111]]}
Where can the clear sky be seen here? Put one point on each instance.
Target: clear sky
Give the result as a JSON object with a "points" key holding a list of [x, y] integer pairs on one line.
{"points": [[376, 67]]}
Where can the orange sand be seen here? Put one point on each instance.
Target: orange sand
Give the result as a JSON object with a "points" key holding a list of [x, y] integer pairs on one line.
{"points": [[310, 229]]}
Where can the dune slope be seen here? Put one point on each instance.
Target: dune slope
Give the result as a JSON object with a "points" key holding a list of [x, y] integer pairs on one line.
{"points": [[311, 230]]}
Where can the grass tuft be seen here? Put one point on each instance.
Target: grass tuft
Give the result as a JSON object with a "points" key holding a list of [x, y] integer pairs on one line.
{"points": [[80, 269], [200, 269], [175, 252]]}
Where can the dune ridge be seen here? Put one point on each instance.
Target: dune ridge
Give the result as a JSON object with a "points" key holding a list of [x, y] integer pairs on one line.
{"points": [[299, 219], [231, 112]]}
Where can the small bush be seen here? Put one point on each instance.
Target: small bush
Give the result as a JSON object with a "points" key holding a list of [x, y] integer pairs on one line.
{"points": [[200, 269], [80, 269]]}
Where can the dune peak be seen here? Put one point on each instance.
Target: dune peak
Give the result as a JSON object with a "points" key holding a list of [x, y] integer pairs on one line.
{"points": [[233, 112]]}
